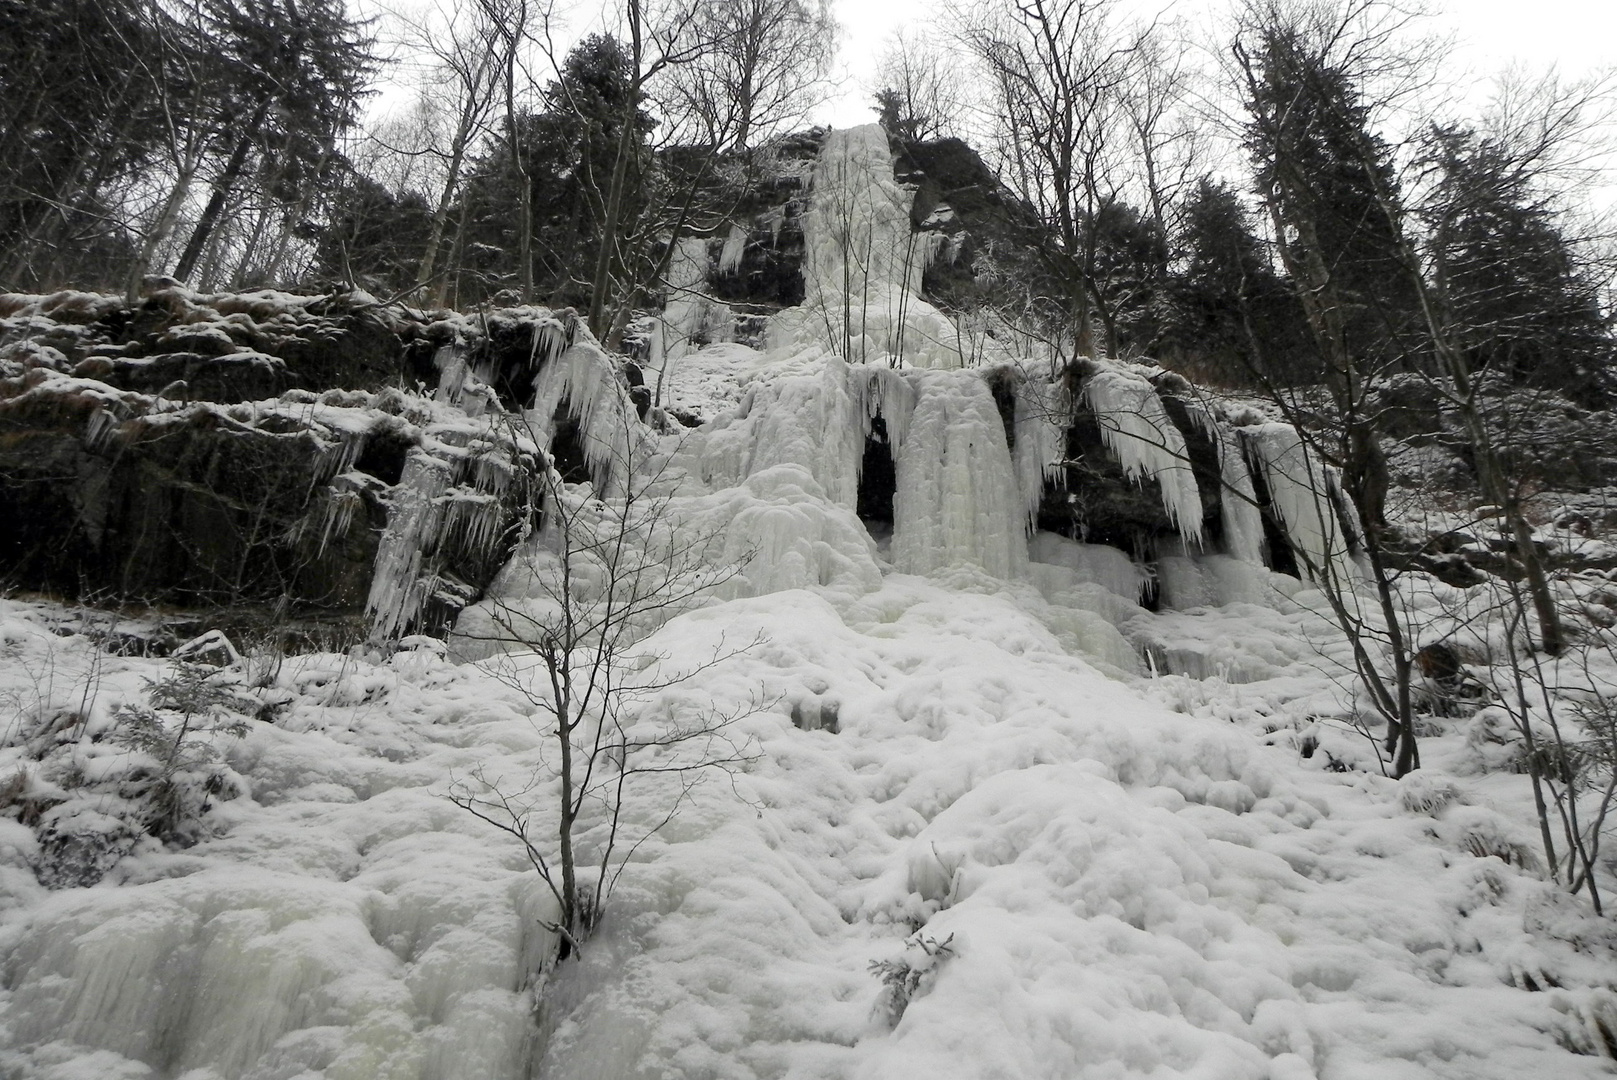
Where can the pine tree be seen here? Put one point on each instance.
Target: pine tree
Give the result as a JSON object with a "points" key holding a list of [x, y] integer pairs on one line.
{"points": [[291, 75], [1510, 285], [1232, 318]]}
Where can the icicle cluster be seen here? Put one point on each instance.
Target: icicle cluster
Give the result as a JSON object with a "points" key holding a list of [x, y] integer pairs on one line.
{"points": [[587, 383], [1146, 443], [1040, 436], [1299, 489]]}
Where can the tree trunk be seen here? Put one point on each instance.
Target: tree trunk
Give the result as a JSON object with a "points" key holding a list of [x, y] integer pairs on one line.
{"points": [[222, 189]]}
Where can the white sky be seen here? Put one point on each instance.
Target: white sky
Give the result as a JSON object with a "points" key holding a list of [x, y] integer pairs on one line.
{"points": [[1573, 34]]}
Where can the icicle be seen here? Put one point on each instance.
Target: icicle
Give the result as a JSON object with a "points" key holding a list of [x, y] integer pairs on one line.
{"points": [[337, 517], [957, 498], [450, 360], [1039, 435], [1146, 443], [735, 247], [1243, 521], [1299, 491], [100, 429], [884, 392], [773, 220], [588, 382], [550, 339], [397, 590]]}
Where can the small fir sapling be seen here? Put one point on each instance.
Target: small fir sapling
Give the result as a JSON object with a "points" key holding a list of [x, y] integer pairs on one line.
{"points": [[903, 978], [174, 732]]}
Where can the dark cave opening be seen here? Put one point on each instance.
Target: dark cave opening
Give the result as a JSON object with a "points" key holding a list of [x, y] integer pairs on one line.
{"points": [[567, 447], [878, 479]]}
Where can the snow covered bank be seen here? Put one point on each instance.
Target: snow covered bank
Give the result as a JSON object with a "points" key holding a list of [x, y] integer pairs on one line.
{"points": [[1130, 891]]}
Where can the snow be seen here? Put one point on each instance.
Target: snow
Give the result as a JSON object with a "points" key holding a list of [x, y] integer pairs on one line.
{"points": [[1130, 890]]}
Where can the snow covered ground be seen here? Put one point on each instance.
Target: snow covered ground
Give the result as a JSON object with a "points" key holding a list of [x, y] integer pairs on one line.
{"points": [[1125, 889]]}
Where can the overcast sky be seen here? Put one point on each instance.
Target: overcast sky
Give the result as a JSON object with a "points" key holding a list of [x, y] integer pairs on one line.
{"points": [[1574, 34]]}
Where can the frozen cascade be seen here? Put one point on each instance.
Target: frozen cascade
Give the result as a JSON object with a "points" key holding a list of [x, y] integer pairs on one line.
{"points": [[686, 308], [806, 420], [398, 587], [864, 261], [957, 498], [1243, 521], [1299, 489], [1146, 443]]}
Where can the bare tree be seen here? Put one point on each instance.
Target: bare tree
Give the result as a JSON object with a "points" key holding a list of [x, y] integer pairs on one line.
{"points": [[920, 89], [599, 575], [1059, 71], [763, 69], [470, 54]]}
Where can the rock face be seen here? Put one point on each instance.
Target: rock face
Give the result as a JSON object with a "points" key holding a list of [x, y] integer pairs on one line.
{"points": [[236, 450]]}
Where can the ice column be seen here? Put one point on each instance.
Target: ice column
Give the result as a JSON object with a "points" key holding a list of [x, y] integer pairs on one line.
{"points": [[1299, 490], [957, 496]]}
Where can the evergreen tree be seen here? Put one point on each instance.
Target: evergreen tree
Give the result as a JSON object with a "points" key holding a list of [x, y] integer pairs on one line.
{"points": [[374, 238], [568, 151], [1512, 291], [291, 74], [77, 92], [1330, 179], [1232, 318]]}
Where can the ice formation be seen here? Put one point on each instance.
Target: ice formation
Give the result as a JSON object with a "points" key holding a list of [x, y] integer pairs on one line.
{"points": [[1137, 430], [1299, 489], [864, 263], [957, 497], [586, 385], [1039, 441]]}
